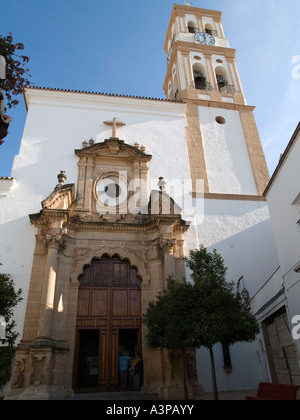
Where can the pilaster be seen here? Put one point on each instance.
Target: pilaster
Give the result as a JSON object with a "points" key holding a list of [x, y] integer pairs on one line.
{"points": [[53, 244]]}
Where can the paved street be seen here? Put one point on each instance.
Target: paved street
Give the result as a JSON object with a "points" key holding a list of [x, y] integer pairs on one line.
{"points": [[137, 396]]}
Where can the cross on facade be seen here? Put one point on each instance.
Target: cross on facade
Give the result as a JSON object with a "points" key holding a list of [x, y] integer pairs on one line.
{"points": [[115, 124]]}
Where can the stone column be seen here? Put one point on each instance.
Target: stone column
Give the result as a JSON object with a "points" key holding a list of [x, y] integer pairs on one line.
{"points": [[167, 247], [49, 283], [144, 187]]}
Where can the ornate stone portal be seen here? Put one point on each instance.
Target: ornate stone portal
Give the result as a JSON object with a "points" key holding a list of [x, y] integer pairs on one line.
{"points": [[110, 216]]}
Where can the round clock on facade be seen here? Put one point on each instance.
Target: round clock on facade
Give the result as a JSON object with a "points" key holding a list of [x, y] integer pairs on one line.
{"points": [[204, 38]]}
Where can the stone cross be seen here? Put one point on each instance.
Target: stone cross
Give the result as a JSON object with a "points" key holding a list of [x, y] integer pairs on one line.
{"points": [[114, 124]]}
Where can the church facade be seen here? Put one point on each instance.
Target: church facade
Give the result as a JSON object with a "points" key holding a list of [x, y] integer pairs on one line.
{"points": [[140, 182]]}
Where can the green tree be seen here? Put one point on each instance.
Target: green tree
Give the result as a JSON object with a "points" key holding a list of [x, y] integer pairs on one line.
{"points": [[17, 72], [226, 317], [168, 320], [201, 313], [9, 298]]}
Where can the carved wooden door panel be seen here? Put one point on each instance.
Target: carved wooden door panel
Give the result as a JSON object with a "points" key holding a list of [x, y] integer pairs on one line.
{"points": [[109, 301]]}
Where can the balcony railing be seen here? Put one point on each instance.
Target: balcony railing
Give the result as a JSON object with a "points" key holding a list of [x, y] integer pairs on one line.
{"points": [[227, 89], [212, 32], [203, 86]]}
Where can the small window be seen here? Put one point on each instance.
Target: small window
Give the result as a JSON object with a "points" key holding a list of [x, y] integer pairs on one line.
{"points": [[220, 120]]}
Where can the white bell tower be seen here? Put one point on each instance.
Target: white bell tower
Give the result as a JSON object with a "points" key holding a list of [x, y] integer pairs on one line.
{"points": [[201, 64], [223, 141]]}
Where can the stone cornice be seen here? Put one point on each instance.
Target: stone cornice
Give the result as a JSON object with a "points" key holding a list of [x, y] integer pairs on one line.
{"points": [[148, 226], [100, 101]]}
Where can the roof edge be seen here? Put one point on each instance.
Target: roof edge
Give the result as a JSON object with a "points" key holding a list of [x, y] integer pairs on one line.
{"points": [[81, 92], [282, 159]]}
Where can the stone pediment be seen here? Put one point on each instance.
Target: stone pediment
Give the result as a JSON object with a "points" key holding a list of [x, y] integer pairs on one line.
{"points": [[61, 198], [56, 207], [113, 147]]}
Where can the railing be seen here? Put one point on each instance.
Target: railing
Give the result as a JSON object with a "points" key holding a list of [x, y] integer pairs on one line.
{"points": [[227, 89], [212, 32], [203, 86]]}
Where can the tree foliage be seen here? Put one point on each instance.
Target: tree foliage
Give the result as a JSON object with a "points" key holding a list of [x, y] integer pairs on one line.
{"points": [[17, 71], [168, 319], [9, 298], [201, 313], [226, 317]]}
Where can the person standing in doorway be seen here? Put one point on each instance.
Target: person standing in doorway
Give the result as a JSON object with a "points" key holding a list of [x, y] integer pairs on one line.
{"points": [[123, 366], [137, 364]]}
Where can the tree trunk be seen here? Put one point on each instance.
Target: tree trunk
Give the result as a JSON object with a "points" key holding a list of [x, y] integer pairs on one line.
{"points": [[186, 397], [213, 372]]}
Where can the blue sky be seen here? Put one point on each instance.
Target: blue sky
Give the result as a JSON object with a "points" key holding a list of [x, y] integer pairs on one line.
{"points": [[116, 46]]}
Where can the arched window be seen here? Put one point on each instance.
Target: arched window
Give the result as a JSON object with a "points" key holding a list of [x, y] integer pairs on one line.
{"points": [[192, 29], [210, 30], [223, 80], [200, 77]]}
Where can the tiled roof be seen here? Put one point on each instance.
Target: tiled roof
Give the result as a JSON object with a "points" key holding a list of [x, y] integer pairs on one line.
{"points": [[102, 94]]}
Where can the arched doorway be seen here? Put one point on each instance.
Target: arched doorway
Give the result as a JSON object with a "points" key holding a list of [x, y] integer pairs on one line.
{"points": [[108, 321]]}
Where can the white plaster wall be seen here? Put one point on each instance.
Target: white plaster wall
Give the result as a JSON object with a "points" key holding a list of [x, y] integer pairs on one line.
{"points": [[241, 232], [249, 367], [284, 191], [281, 196], [271, 288], [227, 159]]}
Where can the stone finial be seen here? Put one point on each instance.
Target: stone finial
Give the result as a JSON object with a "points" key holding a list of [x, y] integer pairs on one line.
{"points": [[84, 144], [137, 145], [61, 178], [162, 184], [143, 149], [91, 142]]}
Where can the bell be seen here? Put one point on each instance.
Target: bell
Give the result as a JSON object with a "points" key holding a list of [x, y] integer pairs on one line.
{"points": [[221, 82]]}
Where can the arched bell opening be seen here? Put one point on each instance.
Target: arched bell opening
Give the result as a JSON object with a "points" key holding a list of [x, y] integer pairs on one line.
{"points": [[200, 77]]}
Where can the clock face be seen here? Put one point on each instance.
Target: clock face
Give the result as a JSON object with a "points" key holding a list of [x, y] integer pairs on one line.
{"points": [[204, 38]]}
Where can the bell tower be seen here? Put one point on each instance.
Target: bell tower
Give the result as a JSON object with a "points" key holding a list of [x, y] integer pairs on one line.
{"points": [[222, 137], [201, 64]]}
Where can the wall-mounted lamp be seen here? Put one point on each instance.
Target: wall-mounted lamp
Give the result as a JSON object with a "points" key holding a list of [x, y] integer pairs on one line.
{"points": [[245, 294]]}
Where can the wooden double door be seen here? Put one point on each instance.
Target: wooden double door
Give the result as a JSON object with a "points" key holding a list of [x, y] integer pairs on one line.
{"points": [[108, 321]]}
